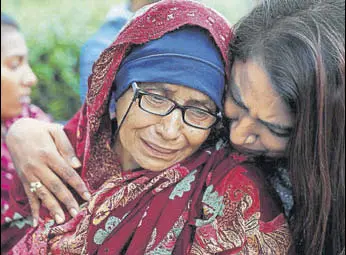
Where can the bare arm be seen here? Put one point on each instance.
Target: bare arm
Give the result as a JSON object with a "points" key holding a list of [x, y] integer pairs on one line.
{"points": [[42, 152]]}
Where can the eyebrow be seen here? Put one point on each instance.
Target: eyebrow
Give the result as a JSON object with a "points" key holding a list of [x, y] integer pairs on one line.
{"points": [[234, 92], [204, 103], [155, 87]]}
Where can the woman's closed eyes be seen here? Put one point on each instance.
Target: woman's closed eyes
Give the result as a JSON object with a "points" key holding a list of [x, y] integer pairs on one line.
{"points": [[276, 129]]}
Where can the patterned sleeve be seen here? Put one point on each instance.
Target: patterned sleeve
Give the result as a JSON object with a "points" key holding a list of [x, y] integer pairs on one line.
{"points": [[241, 217]]}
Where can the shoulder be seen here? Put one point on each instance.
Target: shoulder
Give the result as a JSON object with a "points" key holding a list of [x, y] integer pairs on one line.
{"points": [[246, 184], [240, 214], [29, 111]]}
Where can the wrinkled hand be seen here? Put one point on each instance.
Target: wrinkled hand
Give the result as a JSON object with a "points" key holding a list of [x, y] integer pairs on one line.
{"points": [[42, 152]]}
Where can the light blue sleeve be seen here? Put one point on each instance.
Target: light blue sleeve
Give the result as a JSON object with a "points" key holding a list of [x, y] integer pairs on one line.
{"points": [[92, 49]]}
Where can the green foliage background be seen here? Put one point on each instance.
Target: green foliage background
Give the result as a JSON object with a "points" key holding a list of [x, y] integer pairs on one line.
{"points": [[56, 29]]}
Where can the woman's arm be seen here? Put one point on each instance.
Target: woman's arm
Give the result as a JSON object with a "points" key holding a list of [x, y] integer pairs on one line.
{"points": [[42, 152]]}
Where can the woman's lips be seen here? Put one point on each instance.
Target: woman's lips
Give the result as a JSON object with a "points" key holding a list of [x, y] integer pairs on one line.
{"points": [[157, 150]]}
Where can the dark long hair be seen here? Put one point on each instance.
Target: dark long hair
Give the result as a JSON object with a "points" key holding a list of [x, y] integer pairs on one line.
{"points": [[301, 45]]}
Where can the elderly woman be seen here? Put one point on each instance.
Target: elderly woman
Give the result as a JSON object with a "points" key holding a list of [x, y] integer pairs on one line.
{"points": [[156, 185], [17, 79]]}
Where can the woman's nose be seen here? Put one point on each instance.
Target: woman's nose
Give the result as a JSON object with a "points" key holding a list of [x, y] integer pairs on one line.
{"points": [[29, 78], [170, 125], [243, 131]]}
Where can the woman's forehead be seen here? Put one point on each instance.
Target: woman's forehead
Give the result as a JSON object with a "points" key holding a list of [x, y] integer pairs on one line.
{"points": [[13, 43], [251, 87], [178, 91]]}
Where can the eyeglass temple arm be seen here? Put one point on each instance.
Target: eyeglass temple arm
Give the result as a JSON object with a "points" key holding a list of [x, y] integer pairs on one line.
{"points": [[135, 88]]}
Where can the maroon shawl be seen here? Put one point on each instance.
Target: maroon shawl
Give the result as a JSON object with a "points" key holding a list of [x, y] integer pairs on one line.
{"points": [[206, 204]]}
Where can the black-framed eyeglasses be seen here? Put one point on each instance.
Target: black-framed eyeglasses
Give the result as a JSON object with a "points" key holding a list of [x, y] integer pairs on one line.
{"points": [[163, 106]]}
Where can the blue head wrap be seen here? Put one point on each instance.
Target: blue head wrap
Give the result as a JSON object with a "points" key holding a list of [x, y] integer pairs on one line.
{"points": [[187, 57]]}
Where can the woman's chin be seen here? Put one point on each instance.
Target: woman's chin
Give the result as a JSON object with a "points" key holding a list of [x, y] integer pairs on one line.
{"points": [[11, 113], [155, 165]]}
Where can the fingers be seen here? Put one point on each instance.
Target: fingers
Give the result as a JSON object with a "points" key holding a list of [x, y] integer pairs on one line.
{"points": [[42, 152], [70, 176], [64, 146], [67, 174], [54, 189], [58, 189], [48, 200], [34, 205], [51, 203], [60, 166]]}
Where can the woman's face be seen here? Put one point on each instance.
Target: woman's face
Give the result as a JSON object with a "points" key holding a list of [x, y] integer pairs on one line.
{"points": [[261, 122], [17, 78], [157, 142]]}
